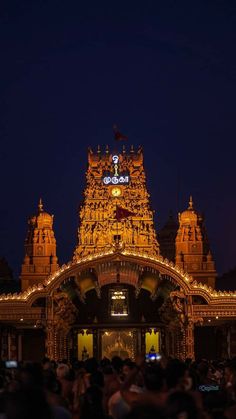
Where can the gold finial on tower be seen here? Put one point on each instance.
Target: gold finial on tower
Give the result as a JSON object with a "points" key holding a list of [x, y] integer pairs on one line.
{"points": [[190, 207], [40, 205], [98, 149]]}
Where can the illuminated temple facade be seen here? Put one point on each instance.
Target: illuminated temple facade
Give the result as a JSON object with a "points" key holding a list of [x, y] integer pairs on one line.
{"points": [[127, 288]]}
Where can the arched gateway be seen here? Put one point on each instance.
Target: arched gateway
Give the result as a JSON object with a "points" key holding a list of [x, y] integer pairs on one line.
{"points": [[118, 295], [138, 301], [117, 302]]}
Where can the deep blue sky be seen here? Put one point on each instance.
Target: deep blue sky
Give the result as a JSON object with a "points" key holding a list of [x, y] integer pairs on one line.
{"points": [[163, 71]]}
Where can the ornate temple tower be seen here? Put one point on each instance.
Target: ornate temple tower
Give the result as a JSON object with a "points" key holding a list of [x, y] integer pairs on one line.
{"points": [[116, 183], [192, 247], [40, 249]]}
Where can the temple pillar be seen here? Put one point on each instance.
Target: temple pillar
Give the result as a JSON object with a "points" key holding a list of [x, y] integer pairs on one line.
{"points": [[73, 345], [51, 341], [4, 344], [9, 344], [19, 347], [180, 343], [50, 330], [170, 343], [143, 339], [162, 341], [136, 348], [189, 340], [231, 339], [57, 343], [95, 343]]}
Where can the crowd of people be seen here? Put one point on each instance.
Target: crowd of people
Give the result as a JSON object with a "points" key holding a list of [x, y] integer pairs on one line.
{"points": [[119, 389]]}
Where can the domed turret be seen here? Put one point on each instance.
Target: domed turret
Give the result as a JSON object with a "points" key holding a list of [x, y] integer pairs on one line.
{"points": [[40, 249], [192, 246], [44, 220], [189, 214]]}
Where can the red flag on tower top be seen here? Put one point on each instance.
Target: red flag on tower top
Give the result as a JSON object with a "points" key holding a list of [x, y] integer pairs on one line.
{"points": [[118, 136], [122, 213]]}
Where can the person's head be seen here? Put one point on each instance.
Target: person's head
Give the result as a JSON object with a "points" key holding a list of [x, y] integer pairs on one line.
{"points": [[176, 374], [31, 374], [97, 379], [117, 363], [92, 404], [108, 371], [48, 365], [2, 382], [145, 412], [191, 381], [154, 377], [214, 403], [127, 367], [203, 369], [105, 362], [50, 382], [91, 365], [45, 360], [188, 361], [230, 374], [62, 371], [27, 404], [78, 365], [181, 404], [227, 374]]}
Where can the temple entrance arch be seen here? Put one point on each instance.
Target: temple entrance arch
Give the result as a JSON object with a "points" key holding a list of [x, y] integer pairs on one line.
{"points": [[130, 268], [134, 294]]}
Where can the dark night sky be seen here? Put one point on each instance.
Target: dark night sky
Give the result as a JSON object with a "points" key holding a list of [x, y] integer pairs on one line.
{"points": [[164, 71]]}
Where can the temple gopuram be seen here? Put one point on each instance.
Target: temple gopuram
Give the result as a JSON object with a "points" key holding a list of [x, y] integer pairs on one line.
{"points": [[127, 288]]}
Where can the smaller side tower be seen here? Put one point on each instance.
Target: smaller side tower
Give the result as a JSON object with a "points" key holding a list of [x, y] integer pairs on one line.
{"points": [[192, 247], [40, 249]]}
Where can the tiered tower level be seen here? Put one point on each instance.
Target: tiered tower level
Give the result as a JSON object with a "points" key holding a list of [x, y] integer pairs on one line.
{"points": [[116, 181]]}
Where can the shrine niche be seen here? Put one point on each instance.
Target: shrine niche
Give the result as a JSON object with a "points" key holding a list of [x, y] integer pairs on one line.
{"points": [[120, 343]]}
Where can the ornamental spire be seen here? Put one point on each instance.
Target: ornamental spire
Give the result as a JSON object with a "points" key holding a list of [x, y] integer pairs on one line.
{"points": [[40, 205], [190, 207]]}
